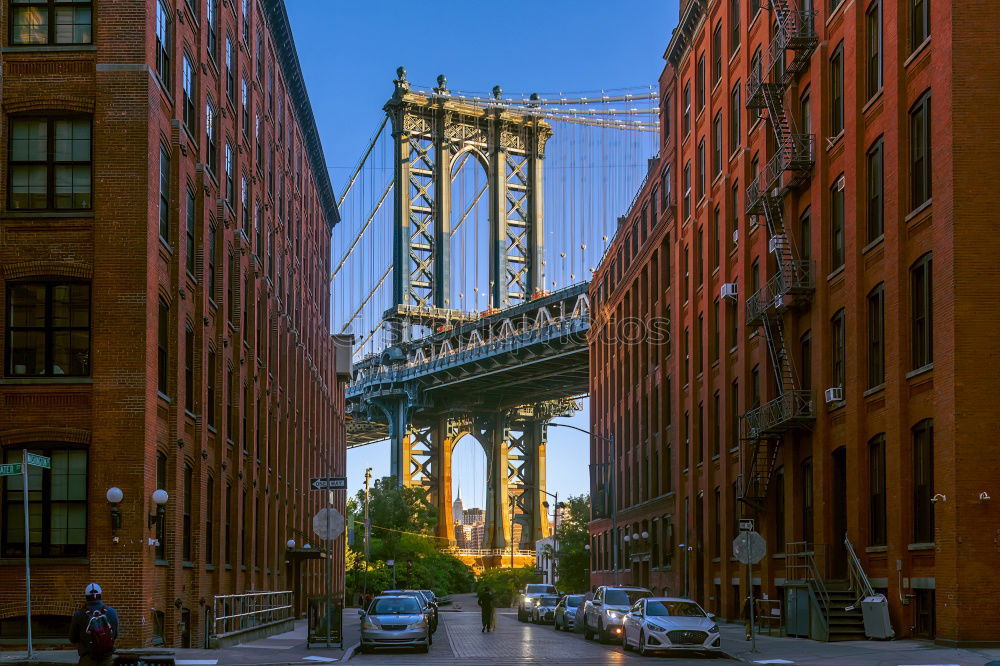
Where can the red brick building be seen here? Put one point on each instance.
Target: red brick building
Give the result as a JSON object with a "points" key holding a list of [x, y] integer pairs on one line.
{"points": [[815, 234], [165, 221]]}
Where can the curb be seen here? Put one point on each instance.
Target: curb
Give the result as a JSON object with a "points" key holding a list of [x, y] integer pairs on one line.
{"points": [[349, 652]]}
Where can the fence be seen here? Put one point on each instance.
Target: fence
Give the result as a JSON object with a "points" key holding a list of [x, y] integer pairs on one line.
{"points": [[241, 612]]}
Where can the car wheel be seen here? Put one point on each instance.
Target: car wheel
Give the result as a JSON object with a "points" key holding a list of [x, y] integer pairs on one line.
{"points": [[642, 645], [625, 645], [601, 636], [520, 615], [587, 633]]}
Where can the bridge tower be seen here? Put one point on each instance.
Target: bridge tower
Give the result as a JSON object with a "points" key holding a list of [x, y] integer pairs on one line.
{"points": [[432, 134]]}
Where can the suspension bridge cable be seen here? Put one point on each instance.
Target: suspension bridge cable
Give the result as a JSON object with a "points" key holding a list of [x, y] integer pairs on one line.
{"points": [[469, 210], [367, 298], [361, 163], [364, 227]]}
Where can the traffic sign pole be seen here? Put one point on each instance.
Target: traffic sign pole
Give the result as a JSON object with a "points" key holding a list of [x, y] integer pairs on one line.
{"points": [[27, 544]]}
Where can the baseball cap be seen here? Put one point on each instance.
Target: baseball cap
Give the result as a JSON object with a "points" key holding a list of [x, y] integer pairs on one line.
{"points": [[92, 590]]}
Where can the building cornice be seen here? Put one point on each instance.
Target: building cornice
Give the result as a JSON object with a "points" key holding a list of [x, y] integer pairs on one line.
{"points": [[684, 32], [284, 44]]}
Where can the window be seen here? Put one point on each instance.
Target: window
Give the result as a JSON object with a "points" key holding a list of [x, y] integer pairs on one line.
{"points": [[701, 169], [837, 91], [686, 118], [229, 523], [188, 505], [50, 163], [923, 481], [717, 53], [230, 186], [667, 188], [230, 72], [212, 28], [876, 491], [734, 26], [210, 385], [735, 109], [805, 113], [779, 510], [805, 359], [734, 215], [37, 22], [245, 103], [163, 46], [686, 438], [161, 525], [755, 395], [755, 276], [687, 190], [213, 242], [921, 293], [189, 231], [807, 501], [211, 140], [210, 520], [873, 39], [734, 413], [162, 346], [876, 336], [734, 325], [875, 206], [717, 145], [230, 405], [188, 79], [920, 22], [164, 194], [920, 151], [716, 423], [246, 22], [57, 504], [717, 524], [805, 235], [700, 81], [838, 331], [189, 369], [837, 253], [48, 329], [245, 206], [714, 239]]}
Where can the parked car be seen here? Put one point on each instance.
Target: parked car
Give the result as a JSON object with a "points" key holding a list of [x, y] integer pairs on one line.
{"points": [[564, 618], [604, 614], [669, 623], [544, 609], [395, 621], [429, 607], [531, 592]]}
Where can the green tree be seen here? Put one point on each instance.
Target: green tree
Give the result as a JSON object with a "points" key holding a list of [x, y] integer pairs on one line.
{"points": [[574, 535]]}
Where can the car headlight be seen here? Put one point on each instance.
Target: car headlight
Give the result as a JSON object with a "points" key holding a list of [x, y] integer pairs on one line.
{"points": [[714, 629], [371, 624], [422, 624], [614, 615]]}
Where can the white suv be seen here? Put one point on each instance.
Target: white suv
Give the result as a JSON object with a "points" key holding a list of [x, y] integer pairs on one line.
{"points": [[604, 614], [529, 595]]}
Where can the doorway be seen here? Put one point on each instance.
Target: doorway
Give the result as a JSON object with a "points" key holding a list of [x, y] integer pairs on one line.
{"points": [[838, 556], [185, 627]]}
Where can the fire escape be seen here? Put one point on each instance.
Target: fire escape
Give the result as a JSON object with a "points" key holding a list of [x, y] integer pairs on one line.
{"points": [[791, 285]]}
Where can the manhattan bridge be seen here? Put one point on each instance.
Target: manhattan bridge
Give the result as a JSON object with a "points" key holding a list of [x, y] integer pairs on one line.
{"points": [[472, 223]]}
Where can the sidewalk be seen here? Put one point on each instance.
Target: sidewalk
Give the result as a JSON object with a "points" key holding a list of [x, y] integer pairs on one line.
{"points": [[775, 650], [287, 648]]}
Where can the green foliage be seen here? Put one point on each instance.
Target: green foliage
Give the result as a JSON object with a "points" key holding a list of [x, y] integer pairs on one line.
{"points": [[574, 558], [505, 583]]}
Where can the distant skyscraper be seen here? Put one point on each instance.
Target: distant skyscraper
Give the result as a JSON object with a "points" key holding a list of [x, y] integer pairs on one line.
{"points": [[457, 510], [473, 516]]}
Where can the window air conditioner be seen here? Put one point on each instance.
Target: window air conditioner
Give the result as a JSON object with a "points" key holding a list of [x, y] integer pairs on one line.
{"points": [[728, 290], [835, 394], [736, 236]]}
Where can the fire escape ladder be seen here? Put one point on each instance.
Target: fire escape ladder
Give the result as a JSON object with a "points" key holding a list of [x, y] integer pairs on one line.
{"points": [[765, 425]]}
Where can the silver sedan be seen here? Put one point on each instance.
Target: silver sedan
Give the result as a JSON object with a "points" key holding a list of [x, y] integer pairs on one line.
{"points": [[395, 622], [669, 623]]}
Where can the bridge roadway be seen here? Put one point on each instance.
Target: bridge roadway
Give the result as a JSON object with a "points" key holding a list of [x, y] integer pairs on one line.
{"points": [[529, 354]]}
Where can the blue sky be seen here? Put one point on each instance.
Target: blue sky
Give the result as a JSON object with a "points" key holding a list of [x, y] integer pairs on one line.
{"points": [[349, 52]]}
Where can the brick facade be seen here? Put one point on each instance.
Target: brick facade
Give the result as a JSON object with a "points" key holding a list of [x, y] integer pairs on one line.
{"points": [[675, 407], [276, 416]]}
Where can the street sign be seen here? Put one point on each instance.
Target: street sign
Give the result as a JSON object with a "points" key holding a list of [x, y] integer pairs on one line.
{"points": [[328, 524], [746, 525], [39, 461], [329, 483], [749, 547], [10, 469]]}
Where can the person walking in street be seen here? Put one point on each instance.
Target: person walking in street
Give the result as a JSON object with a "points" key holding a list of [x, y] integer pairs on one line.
{"points": [[486, 603], [94, 629]]}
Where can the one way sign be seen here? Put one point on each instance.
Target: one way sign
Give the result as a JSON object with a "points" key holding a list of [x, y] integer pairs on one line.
{"points": [[330, 483]]}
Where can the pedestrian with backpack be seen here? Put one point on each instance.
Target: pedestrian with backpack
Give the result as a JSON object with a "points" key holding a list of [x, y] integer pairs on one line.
{"points": [[94, 629]]}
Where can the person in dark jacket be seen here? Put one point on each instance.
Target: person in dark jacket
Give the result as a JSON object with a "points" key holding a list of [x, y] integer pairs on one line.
{"points": [[78, 628], [486, 602]]}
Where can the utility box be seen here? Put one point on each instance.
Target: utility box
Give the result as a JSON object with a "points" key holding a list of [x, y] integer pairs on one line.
{"points": [[343, 346], [875, 611]]}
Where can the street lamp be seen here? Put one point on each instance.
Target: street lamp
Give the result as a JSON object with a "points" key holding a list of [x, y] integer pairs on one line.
{"points": [[114, 497], [614, 494], [290, 544], [159, 498]]}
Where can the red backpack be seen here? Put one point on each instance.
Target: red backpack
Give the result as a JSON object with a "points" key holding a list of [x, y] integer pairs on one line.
{"points": [[98, 636]]}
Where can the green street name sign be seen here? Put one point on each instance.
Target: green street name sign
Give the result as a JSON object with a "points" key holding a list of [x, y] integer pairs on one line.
{"points": [[39, 461], [10, 469]]}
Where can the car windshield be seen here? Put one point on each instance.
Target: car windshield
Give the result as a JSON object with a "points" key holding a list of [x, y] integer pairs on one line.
{"points": [[539, 589], [624, 597], [548, 601], [674, 608], [574, 600], [395, 606]]}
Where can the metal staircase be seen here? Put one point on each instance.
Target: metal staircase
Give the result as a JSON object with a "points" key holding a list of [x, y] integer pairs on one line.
{"points": [[792, 284]]}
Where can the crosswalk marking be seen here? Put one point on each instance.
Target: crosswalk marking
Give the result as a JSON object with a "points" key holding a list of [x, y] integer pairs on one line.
{"points": [[196, 662]]}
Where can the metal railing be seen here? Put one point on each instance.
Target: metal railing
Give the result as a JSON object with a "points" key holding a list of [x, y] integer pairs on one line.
{"points": [[780, 413], [795, 152], [795, 31], [487, 552], [795, 275], [856, 577], [241, 612], [800, 565]]}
